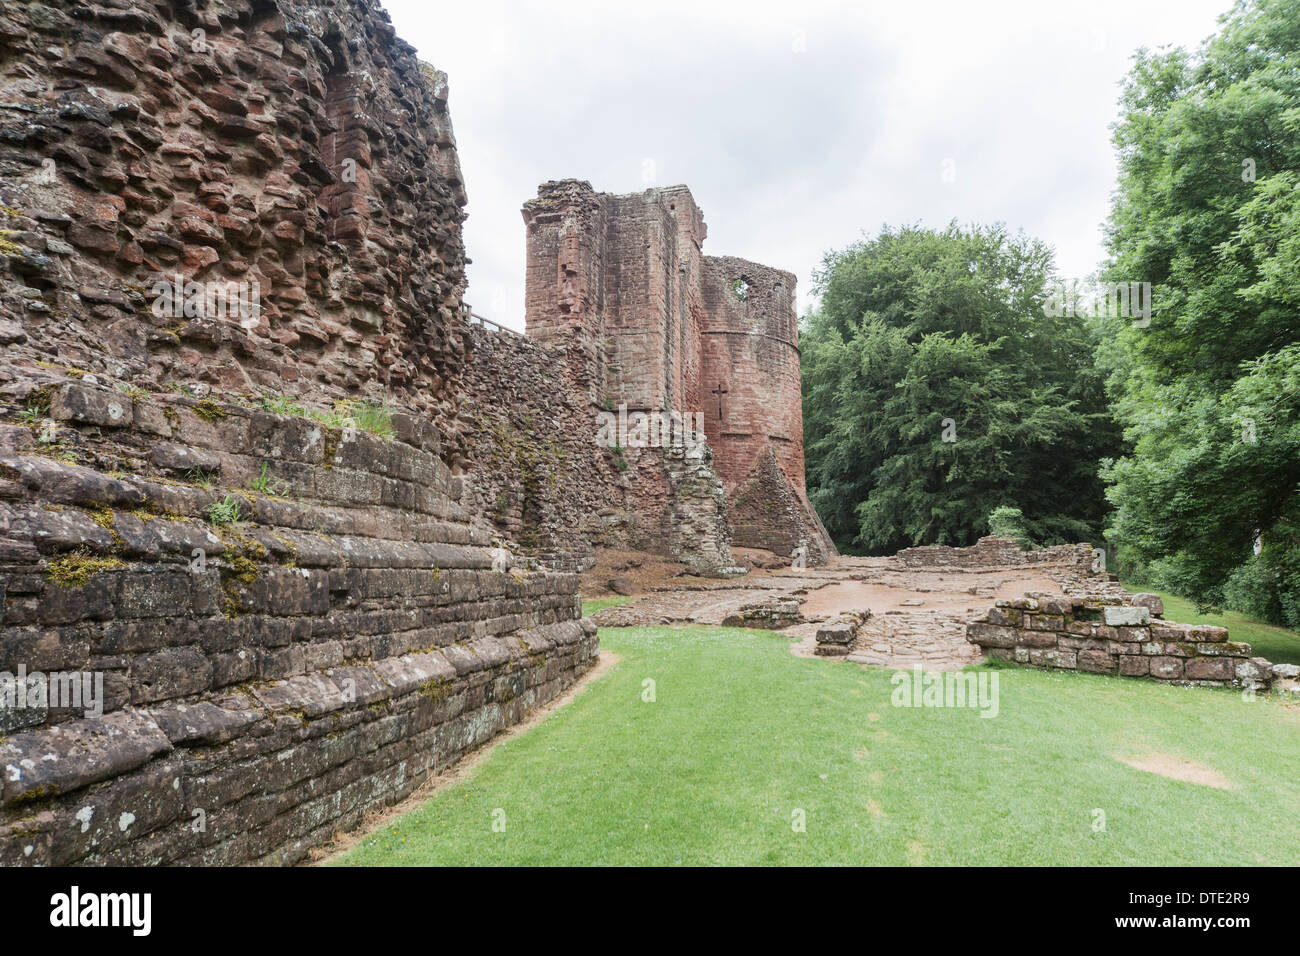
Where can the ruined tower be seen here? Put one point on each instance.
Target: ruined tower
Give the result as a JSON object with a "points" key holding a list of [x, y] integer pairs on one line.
{"points": [[623, 278]]}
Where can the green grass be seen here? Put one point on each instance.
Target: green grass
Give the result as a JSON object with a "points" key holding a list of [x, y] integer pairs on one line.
{"points": [[223, 512], [593, 605], [365, 415], [743, 734], [1276, 643]]}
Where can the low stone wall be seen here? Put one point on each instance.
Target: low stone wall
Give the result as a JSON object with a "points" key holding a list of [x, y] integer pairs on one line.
{"points": [[267, 681], [1110, 635], [993, 551]]}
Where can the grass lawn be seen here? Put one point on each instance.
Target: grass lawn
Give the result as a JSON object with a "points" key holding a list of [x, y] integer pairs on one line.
{"points": [[1276, 643], [593, 605], [742, 736]]}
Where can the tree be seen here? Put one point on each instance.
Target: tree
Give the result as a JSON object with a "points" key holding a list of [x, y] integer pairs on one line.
{"points": [[937, 389], [1208, 211]]}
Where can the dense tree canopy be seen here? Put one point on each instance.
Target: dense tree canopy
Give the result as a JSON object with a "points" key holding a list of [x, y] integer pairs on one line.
{"points": [[937, 389], [920, 329], [1208, 211]]}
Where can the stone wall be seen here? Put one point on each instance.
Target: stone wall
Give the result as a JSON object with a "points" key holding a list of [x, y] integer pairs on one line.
{"points": [[286, 594], [537, 481], [623, 283], [1111, 635], [272, 678], [295, 144], [992, 551]]}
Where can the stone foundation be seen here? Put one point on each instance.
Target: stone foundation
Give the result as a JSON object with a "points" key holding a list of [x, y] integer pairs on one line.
{"points": [[265, 681], [992, 551], [1102, 635], [836, 637]]}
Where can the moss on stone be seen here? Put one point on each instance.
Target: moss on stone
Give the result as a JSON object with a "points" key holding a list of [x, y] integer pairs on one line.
{"points": [[210, 411], [435, 691], [74, 570]]}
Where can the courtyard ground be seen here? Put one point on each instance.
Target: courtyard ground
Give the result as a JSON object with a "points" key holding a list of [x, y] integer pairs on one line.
{"points": [[743, 740]]}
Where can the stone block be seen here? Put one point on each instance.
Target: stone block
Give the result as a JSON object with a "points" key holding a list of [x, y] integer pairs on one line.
{"points": [[1208, 668], [1152, 602], [1167, 668], [1054, 658], [67, 757], [91, 406], [1097, 662], [991, 635], [1125, 616], [1132, 665]]}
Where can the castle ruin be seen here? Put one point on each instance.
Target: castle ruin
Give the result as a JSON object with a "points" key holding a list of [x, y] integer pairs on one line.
{"points": [[623, 280], [267, 536]]}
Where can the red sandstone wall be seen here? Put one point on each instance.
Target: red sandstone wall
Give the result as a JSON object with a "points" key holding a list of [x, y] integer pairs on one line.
{"points": [[750, 348], [640, 280], [624, 280], [345, 636], [564, 282], [297, 144], [684, 383]]}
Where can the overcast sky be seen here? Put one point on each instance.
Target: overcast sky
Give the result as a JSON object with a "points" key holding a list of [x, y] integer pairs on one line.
{"points": [[797, 125]]}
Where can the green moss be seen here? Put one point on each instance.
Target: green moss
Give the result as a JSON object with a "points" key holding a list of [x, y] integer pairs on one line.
{"points": [[292, 560], [74, 570], [104, 518], [435, 691], [38, 793], [330, 446], [244, 554], [70, 370], [245, 570], [231, 599], [210, 411]]}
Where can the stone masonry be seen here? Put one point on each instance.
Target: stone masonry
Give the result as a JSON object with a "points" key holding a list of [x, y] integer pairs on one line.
{"points": [[1125, 636], [621, 285], [243, 524]]}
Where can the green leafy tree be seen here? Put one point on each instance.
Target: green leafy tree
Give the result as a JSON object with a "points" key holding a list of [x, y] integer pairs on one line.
{"points": [[1208, 211], [937, 389]]}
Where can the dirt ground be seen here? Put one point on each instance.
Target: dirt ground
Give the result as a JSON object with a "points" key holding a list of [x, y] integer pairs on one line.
{"points": [[640, 571]]}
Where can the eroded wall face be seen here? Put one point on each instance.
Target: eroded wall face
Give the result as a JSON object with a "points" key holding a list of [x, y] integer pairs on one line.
{"points": [[641, 284], [290, 620], [263, 682], [296, 145]]}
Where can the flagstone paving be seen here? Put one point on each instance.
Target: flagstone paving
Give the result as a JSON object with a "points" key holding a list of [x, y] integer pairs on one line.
{"points": [[918, 615]]}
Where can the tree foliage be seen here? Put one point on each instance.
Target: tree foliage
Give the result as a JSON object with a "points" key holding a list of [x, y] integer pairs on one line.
{"points": [[937, 389], [1208, 211]]}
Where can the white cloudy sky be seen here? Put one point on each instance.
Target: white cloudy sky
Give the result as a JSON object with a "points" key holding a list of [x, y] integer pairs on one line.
{"points": [[797, 125]]}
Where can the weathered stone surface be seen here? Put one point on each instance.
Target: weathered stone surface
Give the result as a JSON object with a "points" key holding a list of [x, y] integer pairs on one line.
{"points": [[771, 615], [1152, 602], [43, 763], [1167, 668], [991, 635], [91, 406], [1165, 650], [1119, 616], [836, 637]]}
